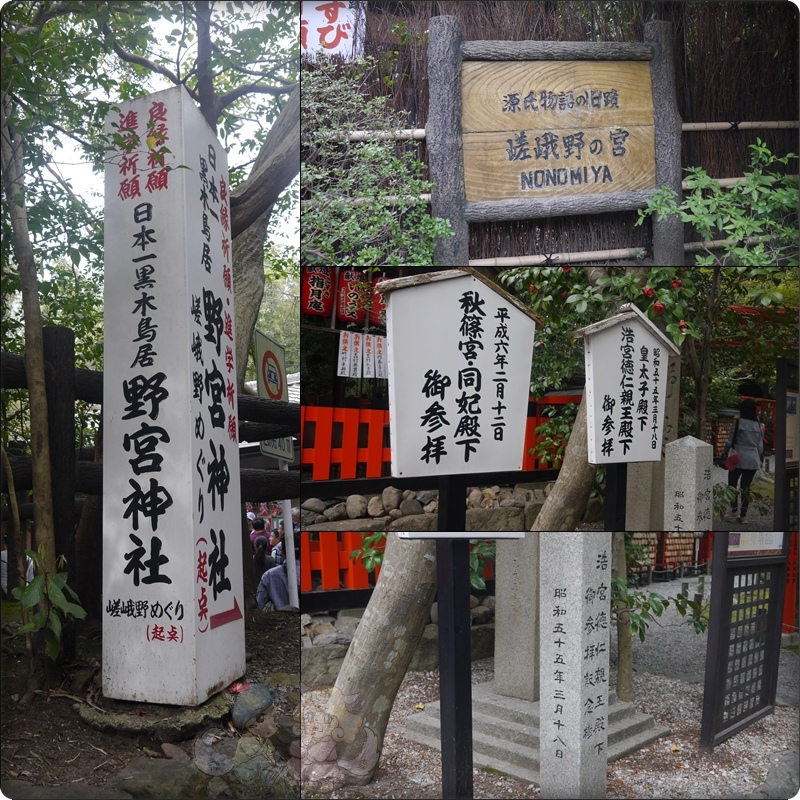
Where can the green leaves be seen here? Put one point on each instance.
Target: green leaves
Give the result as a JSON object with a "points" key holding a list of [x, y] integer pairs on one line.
{"points": [[757, 216]]}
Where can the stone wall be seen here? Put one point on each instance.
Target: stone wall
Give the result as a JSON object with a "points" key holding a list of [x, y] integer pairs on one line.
{"points": [[325, 639], [494, 508]]}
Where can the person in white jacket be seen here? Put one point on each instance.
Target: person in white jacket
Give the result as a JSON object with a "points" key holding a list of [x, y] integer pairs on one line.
{"points": [[746, 439]]}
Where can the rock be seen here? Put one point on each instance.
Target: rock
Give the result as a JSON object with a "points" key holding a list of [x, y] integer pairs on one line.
{"points": [[377, 524], [474, 499], [409, 494], [259, 772], [432, 507], [346, 626], [305, 619], [395, 513], [594, 510], [156, 777], [356, 506], [313, 504], [418, 522], [320, 628], [319, 666], [435, 613], [335, 637], [164, 723], [308, 517], [426, 497], [356, 613], [473, 601], [512, 502], [251, 702], [320, 519], [491, 493], [480, 615], [411, 507], [495, 519], [174, 752], [375, 507], [426, 656], [490, 602], [391, 497], [531, 511], [25, 790], [336, 513]]}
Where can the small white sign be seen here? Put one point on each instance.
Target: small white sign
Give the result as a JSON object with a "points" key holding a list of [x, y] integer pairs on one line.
{"points": [[460, 352], [627, 361], [356, 346], [369, 355], [345, 355], [272, 384], [332, 28], [381, 367]]}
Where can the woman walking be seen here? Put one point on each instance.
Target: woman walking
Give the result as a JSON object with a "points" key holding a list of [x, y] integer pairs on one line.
{"points": [[746, 439]]}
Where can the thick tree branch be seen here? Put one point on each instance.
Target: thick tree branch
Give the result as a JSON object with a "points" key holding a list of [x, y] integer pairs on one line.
{"points": [[277, 164], [229, 97], [131, 58], [205, 82]]}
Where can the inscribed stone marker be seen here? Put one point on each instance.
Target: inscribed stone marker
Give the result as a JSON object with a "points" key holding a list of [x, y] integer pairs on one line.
{"points": [[173, 630], [688, 490], [575, 619]]}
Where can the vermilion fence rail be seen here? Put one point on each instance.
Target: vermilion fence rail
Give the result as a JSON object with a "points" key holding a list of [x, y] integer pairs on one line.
{"points": [[351, 443], [326, 559]]}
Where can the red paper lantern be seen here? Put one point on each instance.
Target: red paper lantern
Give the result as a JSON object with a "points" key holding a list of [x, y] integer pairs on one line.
{"points": [[316, 291], [377, 314], [352, 285]]}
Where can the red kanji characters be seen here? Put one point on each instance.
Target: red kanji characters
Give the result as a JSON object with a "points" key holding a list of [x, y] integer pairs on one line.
{"points": [[128, 164], [232, 427], [157, 180], [226, 277], [228, 326], [226, 246], [231, 392], [129, 188], [223, 217], [229, 358], [223, 190], [202, 567], [157, 112]]}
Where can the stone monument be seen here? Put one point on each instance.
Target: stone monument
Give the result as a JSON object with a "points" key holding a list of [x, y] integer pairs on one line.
{"points": [[575, 619], [688, 489]]}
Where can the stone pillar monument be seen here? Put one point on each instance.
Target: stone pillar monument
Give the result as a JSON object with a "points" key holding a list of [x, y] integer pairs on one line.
{"points": [[516, 671], [688, 489], [575, 620]]}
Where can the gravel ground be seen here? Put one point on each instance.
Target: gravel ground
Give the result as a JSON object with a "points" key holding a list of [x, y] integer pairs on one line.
{"points": [[668, 677]]}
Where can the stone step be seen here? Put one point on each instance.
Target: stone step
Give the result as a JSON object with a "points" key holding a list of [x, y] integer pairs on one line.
{"points": [[505, 731]]}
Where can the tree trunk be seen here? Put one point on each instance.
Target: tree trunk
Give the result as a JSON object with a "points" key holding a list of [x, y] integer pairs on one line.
{"points": [[343, 727], [565, 505], [14, 186], [619, 569]]}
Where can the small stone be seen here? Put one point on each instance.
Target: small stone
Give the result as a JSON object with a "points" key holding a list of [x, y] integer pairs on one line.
{"points": [[313, 504], [474, 499], [473, 601], [174, 752], [432, 507], [411, 506], [409, 494], [334, 637], [356, 506], [435, 613], [319, 628], [252, 702], [375, 507], [391, 498], [395, 513], [426, 497], [335, 513]]}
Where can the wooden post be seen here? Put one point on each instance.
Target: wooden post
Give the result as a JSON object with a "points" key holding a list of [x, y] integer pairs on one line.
{"points": [[443, 135], [616, 489], [667, 233], [59, 354]]}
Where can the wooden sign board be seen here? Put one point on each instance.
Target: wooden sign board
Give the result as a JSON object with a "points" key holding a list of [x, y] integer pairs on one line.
{"points": [[536, 129]]}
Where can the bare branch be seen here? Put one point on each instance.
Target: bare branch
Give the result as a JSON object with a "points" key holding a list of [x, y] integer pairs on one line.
{"points": [[226, 99], [131, 58]]}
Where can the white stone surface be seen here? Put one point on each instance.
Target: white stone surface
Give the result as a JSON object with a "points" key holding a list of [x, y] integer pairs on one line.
{"points": [[688, 485], [575, 620], [173, 630]]}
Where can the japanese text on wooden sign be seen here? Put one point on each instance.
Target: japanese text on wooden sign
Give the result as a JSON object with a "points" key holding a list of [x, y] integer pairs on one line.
{"points": [[543, 128], [459, 369], [172, 560]]}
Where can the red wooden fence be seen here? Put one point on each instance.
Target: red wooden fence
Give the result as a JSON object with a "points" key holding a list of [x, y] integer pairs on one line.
{"points": [[351, 443]]}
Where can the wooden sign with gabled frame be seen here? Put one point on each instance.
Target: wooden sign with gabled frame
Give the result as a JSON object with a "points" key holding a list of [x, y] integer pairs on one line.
{"points": [[523, 130]]}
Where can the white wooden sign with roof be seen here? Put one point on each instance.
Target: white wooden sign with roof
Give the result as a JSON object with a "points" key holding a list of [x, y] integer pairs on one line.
{"points": [[627, 360], [460, 350]]}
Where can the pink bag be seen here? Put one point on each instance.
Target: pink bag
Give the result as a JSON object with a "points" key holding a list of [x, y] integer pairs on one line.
{"points": [[732, 461]]}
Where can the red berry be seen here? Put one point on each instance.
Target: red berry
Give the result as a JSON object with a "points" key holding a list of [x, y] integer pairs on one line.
{"points": [[682, 325], [533, 288], [648, 291], [563, 295], [658, 308], [677, 284], [567, 269]]}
